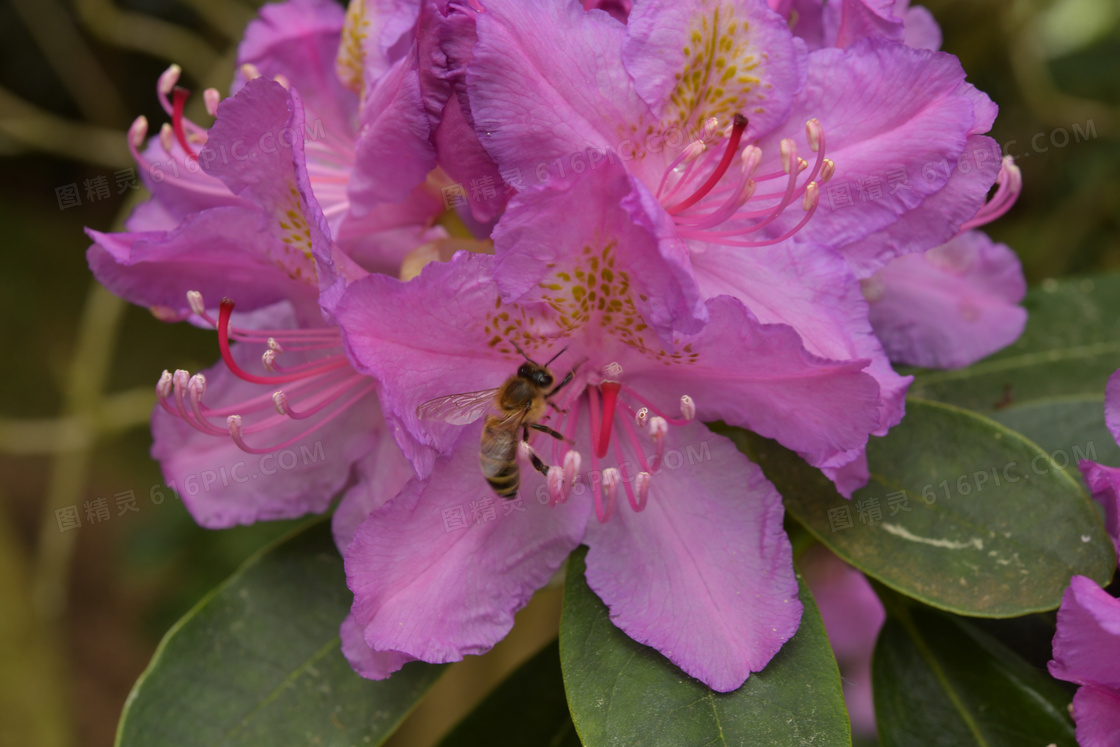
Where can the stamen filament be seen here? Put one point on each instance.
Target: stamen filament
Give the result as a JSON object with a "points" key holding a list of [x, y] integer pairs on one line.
{"points": [[225, 310], [235, 429], [740, 125]]}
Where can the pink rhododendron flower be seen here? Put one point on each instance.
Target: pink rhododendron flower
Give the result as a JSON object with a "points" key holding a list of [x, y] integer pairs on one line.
{"points": [[302, 184], [691, 559], [1087, 652], [707, 107]]}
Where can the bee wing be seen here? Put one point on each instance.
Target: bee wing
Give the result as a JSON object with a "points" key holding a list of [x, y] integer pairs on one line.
{"points": [[458, 409]]}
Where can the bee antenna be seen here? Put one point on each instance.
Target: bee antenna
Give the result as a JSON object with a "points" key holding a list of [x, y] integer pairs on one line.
{"points": [[550, 360], [518, 348]]}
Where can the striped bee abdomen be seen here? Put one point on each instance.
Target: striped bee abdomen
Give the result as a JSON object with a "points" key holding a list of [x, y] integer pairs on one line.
{"points": [[498, 456]]}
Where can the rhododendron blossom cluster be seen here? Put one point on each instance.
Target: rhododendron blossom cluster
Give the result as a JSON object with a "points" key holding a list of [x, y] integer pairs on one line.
{"points": [[703, 210]]}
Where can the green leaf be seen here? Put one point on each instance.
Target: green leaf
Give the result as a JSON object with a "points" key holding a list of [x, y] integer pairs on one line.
{"points": [[991, 529], [258, 662], [529, 709], [1070, 347], [1067, 428], [939, 681], [623, 693]]}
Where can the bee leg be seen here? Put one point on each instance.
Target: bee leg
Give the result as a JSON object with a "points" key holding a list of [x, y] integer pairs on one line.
{"points": [[557, 407], [563, 383], [537, 462], [545, 429]]}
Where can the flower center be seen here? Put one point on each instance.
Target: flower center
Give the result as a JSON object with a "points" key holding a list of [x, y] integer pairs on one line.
{"points": [[325, 387], [622, 438], [736, 208]]}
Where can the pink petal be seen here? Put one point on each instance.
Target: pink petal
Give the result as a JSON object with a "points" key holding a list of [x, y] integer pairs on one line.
{"points": [[1087, 644], [952, 305], [439, 571], [299, 40], [704, 574], [1112, 405], [601, 207], [528, 87], [1104, 484], [662, 42], [1096, 711], [373, 665]]}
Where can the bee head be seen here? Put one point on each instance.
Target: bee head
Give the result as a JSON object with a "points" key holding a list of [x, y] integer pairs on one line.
{"points": [[539, 375]]}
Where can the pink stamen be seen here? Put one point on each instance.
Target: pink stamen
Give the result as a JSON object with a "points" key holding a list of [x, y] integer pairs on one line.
{"points": [[740, 125], [235, 428], [637, 503], [653, 408], [1009, 186], [280, 399], [225, 310], [601, 513]]}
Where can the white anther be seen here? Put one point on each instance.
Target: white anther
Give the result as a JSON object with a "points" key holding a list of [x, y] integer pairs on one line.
{"points": [[693, 151], [752, 156], [234, 424], [556, 484], [611, 478], [641, 417], [572, 463], [612, 371], [273, 345], [282, 80], [802, 164], [788, 149], [197, 385], [168, 79], [163, 386], [138, 131], [688, 407], [827, 170], [711, 126], [813, 131], [166, 137], [181, 378], [281, 401], [641, 485], [194, 300], [658, 427], [212, 97], [268, 359], [250, 71], [812, 196]]}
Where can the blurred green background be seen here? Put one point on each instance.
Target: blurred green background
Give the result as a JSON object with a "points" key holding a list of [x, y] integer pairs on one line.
{"points": [[82, 610]]}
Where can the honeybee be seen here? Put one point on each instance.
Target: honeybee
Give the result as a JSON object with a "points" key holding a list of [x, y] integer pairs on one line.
{"points": [[517, 405]]}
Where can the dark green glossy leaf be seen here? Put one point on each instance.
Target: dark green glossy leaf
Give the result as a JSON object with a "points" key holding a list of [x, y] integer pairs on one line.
{"points": [[1067, 428], [1070, 347], [258, 662], [529, 709], [939, 681], [623, 693], [960, 513]]}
